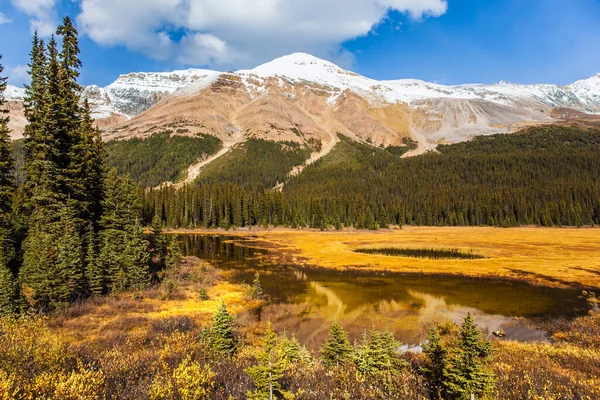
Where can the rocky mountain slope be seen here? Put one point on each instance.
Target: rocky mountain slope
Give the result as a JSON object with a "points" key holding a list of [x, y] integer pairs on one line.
{"points": [[304, 99]]}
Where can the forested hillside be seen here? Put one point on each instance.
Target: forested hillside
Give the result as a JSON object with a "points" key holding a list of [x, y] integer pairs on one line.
{"points": [[548, 175], [256, 164], [161, 157]]}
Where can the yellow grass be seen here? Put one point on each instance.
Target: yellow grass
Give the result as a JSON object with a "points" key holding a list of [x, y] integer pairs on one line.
{"points": [[545, 256], [133, 313]]}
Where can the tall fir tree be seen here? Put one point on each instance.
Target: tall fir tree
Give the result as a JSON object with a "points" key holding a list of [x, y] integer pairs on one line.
{"points": [[467, 376], [94, 273], [7, 181], [222, 333], [434, 369], [268, 372], [337, 350], [9, 290], [70, 258], [137, 259]]}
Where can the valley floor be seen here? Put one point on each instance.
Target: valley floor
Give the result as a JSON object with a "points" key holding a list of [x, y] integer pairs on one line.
{"points": [[565, 257]]}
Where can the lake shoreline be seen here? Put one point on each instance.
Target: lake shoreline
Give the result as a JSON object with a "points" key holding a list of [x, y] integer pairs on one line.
{"points": [[567, 258]]}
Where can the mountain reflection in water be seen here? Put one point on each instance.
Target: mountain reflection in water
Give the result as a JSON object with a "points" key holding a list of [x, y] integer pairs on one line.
{"points": [[305, 301]]}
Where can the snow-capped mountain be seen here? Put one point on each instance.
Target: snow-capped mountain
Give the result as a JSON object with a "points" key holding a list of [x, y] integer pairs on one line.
{"points": [[302, 91]]}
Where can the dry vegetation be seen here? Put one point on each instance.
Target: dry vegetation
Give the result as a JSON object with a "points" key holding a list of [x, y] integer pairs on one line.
{"points": [[149, 345], [545, 256]]}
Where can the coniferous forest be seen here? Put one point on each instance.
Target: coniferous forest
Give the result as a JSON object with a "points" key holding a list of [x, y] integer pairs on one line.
{"points": [[546, 176], [70, 228]]}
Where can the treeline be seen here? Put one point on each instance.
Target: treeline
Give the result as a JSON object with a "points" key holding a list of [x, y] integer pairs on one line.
{"points": [[160, 157], [73, 228], [547, 176]]}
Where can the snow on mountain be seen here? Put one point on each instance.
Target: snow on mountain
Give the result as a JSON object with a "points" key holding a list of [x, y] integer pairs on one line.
{"points": [[436, 111], [303, 68], [588, 92], [133, 93], [14, 93]]}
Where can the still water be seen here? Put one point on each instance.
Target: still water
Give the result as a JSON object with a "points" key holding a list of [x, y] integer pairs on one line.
{"points": [[304, 301]]}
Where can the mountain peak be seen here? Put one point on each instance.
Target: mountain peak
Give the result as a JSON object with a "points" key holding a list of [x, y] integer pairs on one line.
{"points": [[299, 66]]}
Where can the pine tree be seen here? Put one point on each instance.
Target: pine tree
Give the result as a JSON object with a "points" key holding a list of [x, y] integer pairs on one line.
{"points": [[94, 166], [70, 268], [9, 292], [466, 376], [94, 273], [158, 240], [257, 291], [137, 259], [377, 353], [121, 210], [269, 371], [222, 333], [7, 182], [174, 255], [37, 148], [435, 366], [337, 350]]}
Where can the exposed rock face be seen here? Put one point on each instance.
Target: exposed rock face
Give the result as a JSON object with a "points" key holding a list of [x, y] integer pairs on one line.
{"points": [[304, 99]]}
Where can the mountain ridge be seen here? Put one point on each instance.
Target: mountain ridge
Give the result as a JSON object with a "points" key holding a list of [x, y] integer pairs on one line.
{"points": [[424, 111]]}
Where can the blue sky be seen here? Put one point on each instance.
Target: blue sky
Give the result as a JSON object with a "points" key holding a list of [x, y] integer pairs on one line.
{"points": [[445, 41]]}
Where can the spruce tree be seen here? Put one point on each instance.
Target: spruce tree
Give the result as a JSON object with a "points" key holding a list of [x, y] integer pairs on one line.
{"points": [[7, 182], [137, 259], [158, 240], [9, 292], [377, 353], [174, 256], [466, 376], [435, 366], [69, 263], [268, 372], [337, 350], [37, 148], [257, 291], [222, 333], [94, 273]]}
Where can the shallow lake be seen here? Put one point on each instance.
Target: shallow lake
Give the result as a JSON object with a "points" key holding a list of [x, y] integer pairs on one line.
{"points": [[304, 301]]}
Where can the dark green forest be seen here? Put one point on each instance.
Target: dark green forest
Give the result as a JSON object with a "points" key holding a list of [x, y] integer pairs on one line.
{"points": [[159, 158], [70, 227], [255, 164], [547, 176]]}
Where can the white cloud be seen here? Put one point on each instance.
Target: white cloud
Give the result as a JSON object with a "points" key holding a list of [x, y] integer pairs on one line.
{"points": [[42, 14], [18, 75], [239, 33], [3, 19]]}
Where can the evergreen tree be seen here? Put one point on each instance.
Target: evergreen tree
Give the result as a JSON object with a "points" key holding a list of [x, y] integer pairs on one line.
{"points": [[174, 255], [268, 372], [9, 292], [70, 268], [337, 350], [94, 166], [39, 271], [37, 149], [466, 376], [378, 353], [119, 231], [222, 333], [94, 273], [137, 259], [435, 367], [257, 291], [158, 240], [7, 182]]}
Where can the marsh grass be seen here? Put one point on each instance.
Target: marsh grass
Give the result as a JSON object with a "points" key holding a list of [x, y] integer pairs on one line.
{"points": [[432, 254]]}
